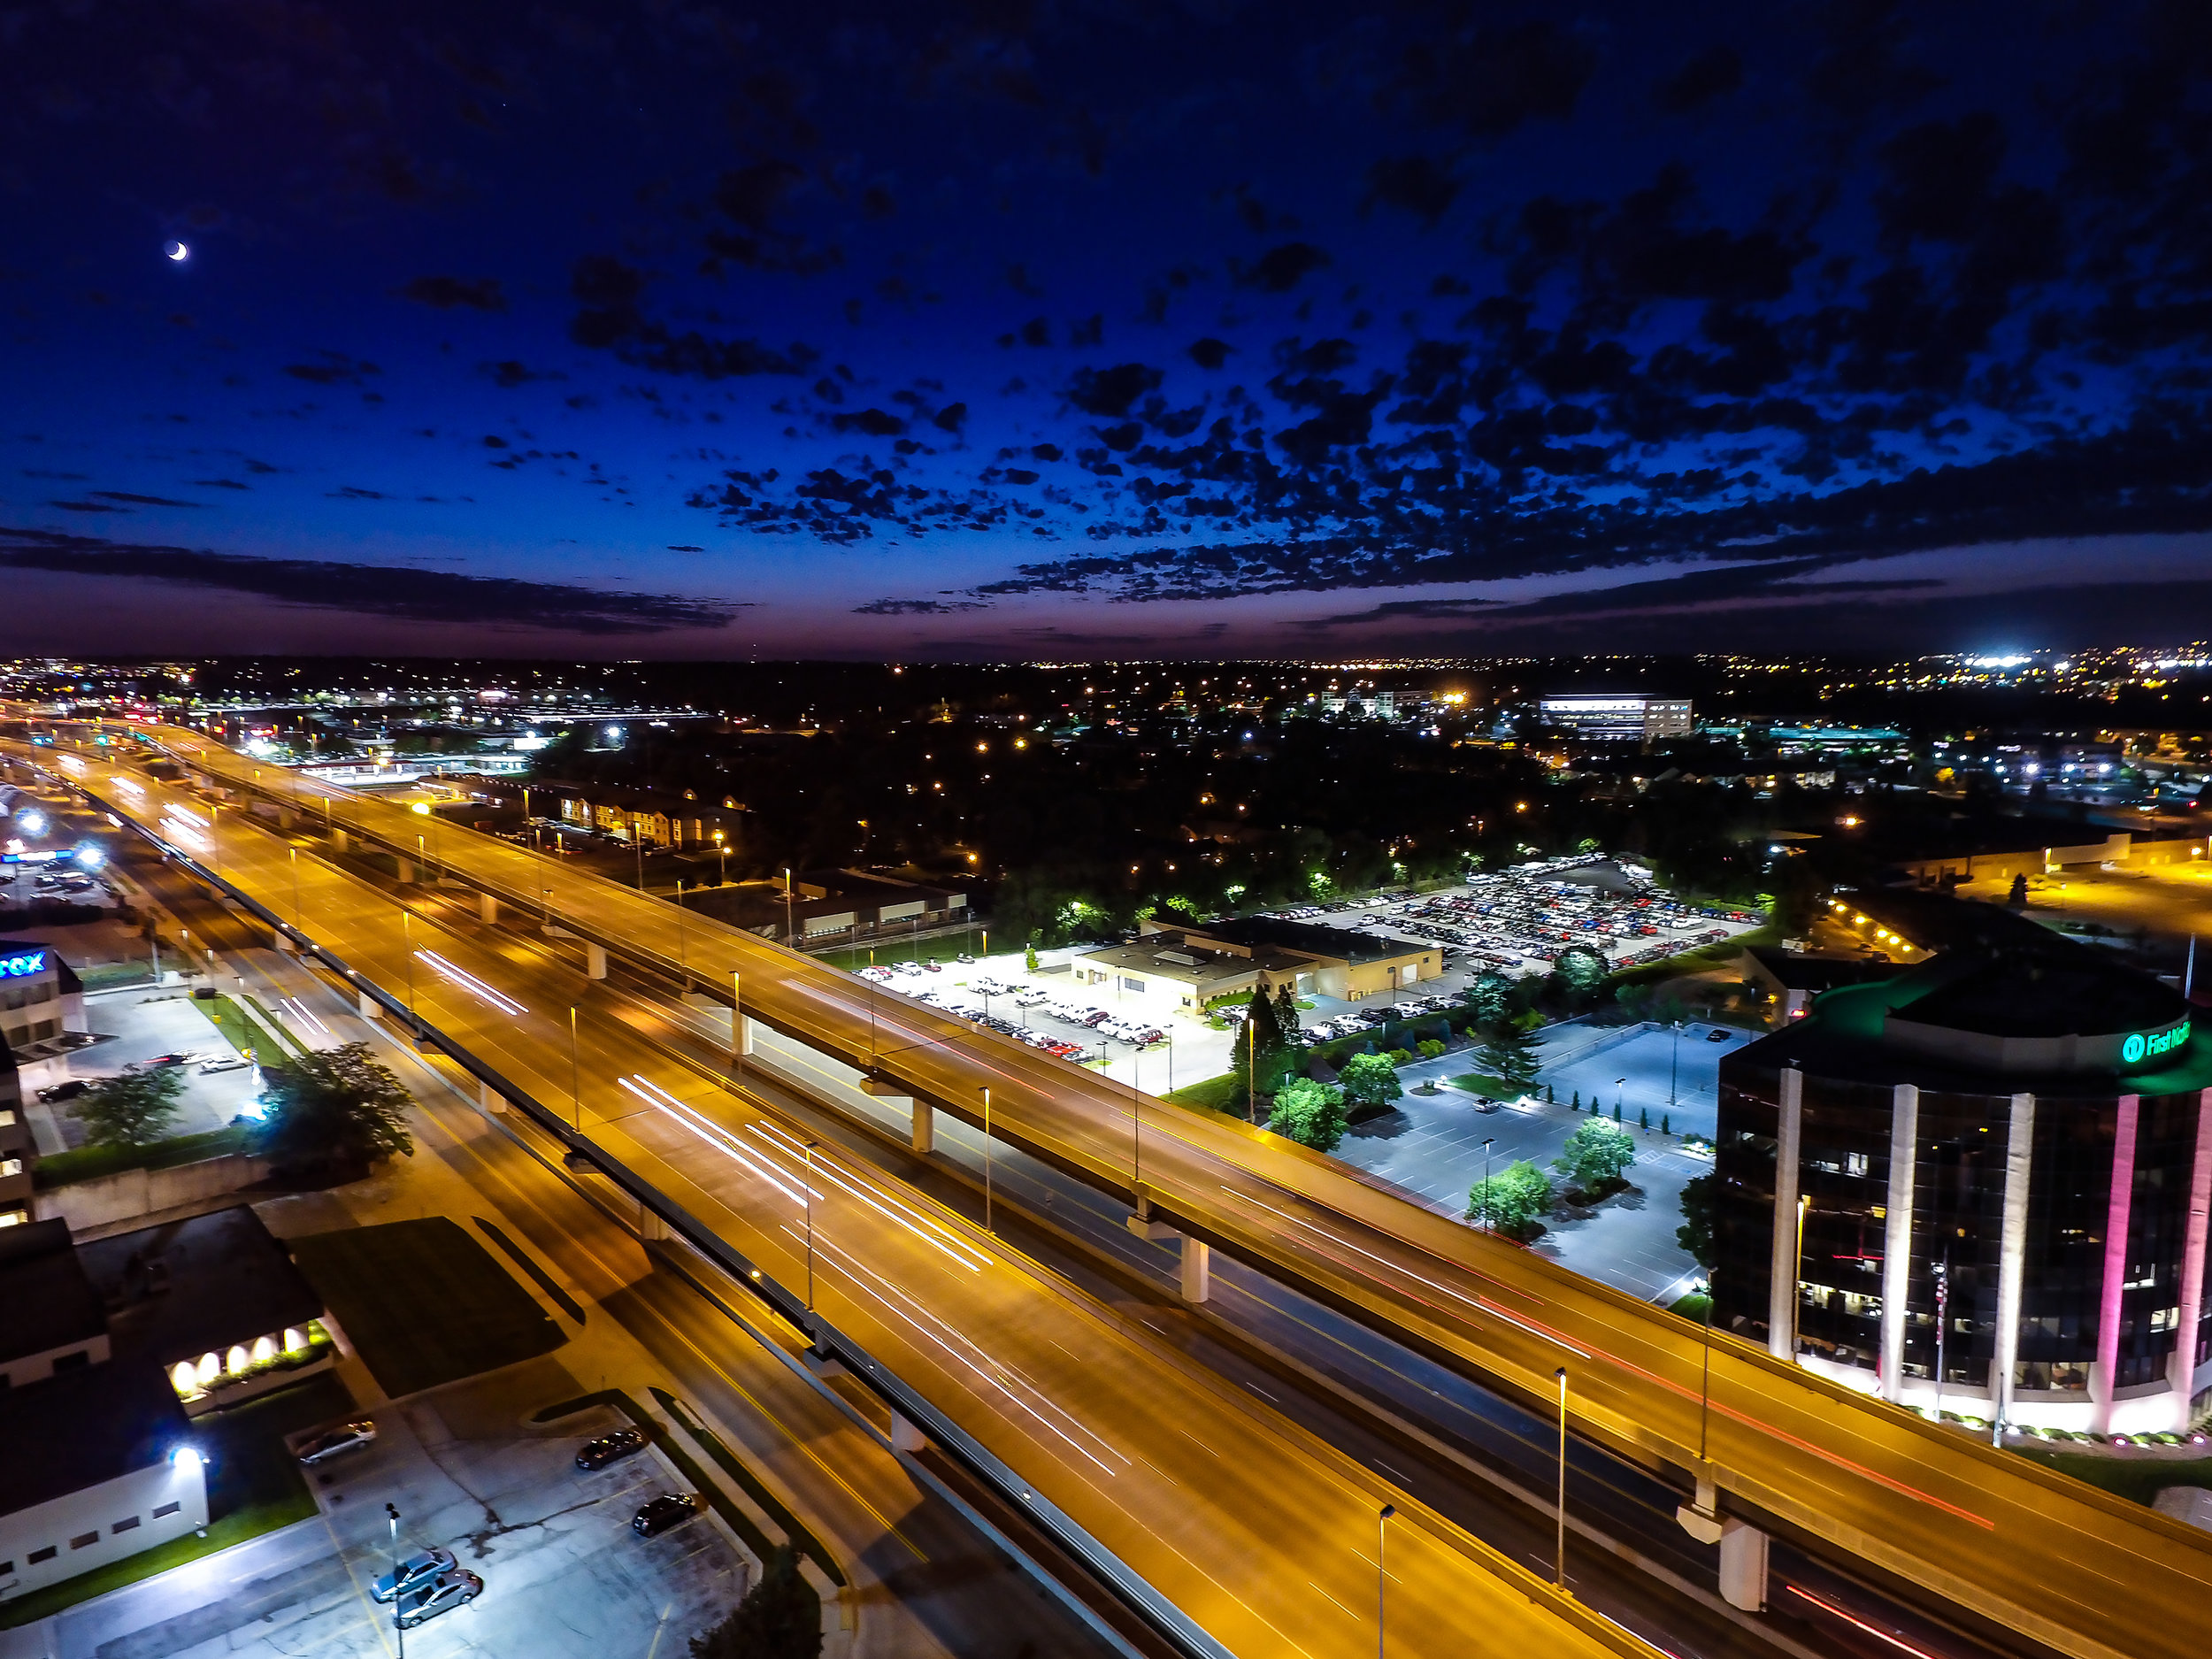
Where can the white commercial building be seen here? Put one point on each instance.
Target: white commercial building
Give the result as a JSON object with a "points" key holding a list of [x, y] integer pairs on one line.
{"points": [[1624, 717]]}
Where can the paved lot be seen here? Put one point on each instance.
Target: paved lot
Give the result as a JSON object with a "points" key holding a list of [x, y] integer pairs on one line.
{"points": [[1432, 1146], [1675, 1073], [562, 1573], [143, 1022]]}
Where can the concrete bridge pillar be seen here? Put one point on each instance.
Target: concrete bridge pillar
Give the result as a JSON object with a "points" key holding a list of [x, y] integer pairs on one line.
{"points": [[340, 841], [489, 1098], [744, 1033], [370, 1009], [286, 817], [906, 1437], [925, 1130], [407, 871], [487, 908], [1194, 1264], [595, 960], [1743, 1566]]}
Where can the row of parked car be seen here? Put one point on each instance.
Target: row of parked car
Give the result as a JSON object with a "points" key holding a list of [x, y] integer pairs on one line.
{"points": [[431, 1581], [1359, 1019]]}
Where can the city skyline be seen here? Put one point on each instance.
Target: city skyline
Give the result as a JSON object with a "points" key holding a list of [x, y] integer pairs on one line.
{"points": [[1016, 333]]}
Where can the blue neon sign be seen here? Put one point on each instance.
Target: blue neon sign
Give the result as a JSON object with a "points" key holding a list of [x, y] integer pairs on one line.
{"points": [[23, 964]]}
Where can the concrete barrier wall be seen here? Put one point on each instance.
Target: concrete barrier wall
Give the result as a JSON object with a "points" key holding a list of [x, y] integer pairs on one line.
{"points": [[108, 1199]]}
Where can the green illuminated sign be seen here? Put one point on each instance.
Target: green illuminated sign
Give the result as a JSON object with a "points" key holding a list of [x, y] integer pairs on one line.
{"points": [[2149, 1045]]}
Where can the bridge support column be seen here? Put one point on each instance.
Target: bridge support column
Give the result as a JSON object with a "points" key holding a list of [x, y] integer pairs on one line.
{"points": [[286, 817], [650, 1227], [487, 908], [282, 940], [744, 1033], [1743, 1566], [924, 1132], [1904, 1152], [407, 871], [489, 1098], [370, 1009], [595, 960], [340, 841], [1198, 1272], [905, 1437]]}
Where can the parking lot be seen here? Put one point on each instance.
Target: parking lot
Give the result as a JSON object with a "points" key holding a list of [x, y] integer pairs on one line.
{"points": [[561, 1569], [142, 1023]]}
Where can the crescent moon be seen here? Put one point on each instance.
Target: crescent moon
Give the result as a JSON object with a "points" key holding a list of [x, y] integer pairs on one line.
{"points": [[176, 251]]}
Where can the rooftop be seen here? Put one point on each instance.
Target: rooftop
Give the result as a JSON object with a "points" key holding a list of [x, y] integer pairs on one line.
{"points": [[1309, 939], [85, 1427], [46, 1301], [186, 1287]]}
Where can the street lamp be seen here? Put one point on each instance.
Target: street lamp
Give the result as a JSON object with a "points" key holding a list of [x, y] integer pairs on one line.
{"points": [[683, 959], [1559, 1569], [407, 944], [575, 1074], [988, 1227], [809, 1226], [1489, 1199], [392, 1513], [789, 933], [1382, 1575]]}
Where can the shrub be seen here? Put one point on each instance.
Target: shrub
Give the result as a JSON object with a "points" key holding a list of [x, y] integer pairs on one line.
{"points": [[1429, 1048], [1510, 1201], [1371, 1081], [1310, 1113], [1400, 1057], [1594, 1156], [133, 1108]]}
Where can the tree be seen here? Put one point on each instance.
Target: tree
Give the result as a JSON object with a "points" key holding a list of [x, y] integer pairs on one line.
{"points": [[1581, 972], [2018, 897], [1029, 958], [1594, 1156], [1509, 1052], [1486, 998], [1310, 1113], [1287, 1013], [1510, 1201], [1262, 1057], [338, 1108], [1371, 1081], [133, 1108], [1695, 1234], [780, 1618]]}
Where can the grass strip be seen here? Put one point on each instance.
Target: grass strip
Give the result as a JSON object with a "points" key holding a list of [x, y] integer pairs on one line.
{"points": [[561, 1299], [2139, 1480], [1223, 1094], [794, 1529], [424, 1302], [276, 1026]]}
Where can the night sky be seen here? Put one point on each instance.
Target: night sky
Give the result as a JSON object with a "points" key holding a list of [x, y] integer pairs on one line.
{"points": [[1104, 329]]}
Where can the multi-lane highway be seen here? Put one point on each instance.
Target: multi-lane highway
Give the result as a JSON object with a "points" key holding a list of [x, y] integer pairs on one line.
{"points": [[1263, 1535], [2070, 1567]]}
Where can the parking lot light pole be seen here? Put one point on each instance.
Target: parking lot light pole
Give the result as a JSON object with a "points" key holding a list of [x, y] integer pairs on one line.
{"points": [[575, 1074], [988, 1227], [391, 1513], [1489, 1201], [1559, 1560], [1382, 1575], [809, 1226]]}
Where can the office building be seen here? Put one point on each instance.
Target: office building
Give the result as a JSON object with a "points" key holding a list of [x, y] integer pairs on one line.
{"points": [[1617, 716], [1984, 1175]]}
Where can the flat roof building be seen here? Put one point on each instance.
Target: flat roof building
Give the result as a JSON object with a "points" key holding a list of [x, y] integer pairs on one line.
{"points": [[1617, 716], [1336, 962], [1985, 1175]]}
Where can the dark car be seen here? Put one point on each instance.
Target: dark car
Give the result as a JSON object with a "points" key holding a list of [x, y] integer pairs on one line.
{"points": [[412, 1574], [448, 1590], [346, 1437], [68, 1090], [1717, 1036], [670, 1509], [599, 1452]]}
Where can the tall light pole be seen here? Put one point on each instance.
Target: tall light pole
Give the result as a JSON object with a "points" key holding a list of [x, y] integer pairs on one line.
{"points": [[392, 1514], [737, 1025], [1382, 1575], [407, 944], [683, 958], [1489, 1199], [575, 1073], [1674, 1065], [1559, 1568], [295, 886], [988, 1227], [809, 1226], [790, 936]]}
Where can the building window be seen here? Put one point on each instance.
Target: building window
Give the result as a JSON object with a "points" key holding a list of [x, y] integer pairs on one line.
{"points": [[73, 1362], [84, 1541], [167, 1509], [46, 1554], [123, 1525], [7, 1569]]}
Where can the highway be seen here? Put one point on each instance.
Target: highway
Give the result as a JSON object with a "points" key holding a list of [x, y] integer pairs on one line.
{"points": [[1262, 1533], [2085, 1573]]}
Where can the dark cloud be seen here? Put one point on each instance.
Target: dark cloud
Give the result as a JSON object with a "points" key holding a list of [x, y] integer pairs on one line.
{"points": [[1209, 353], [336, 369], [917, 607], [1713, 73], [219, 483], [508, 372], [446, 293], [1490, 79], [1108, 393], [431, 597], [1279, 269], [874, 422], [611, 320], [141, 501], [1415, 183]]}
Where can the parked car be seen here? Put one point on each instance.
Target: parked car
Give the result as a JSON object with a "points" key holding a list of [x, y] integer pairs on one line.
{"points": [[599, 1452], [443, 1593], [670, 1509], [1031, 998], [412, 1574], [1717, 1036], [225, 1062], [964, 959], [347, 1437], [67, 1090], [933, 966]]}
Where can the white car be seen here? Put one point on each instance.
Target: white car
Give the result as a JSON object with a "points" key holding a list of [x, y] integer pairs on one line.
{"points": [[871, 971], [1031, 997], [225, 1062]]}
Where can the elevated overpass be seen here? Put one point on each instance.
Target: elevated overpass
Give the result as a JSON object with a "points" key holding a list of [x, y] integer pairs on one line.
{"points": [[2067, 1566]]}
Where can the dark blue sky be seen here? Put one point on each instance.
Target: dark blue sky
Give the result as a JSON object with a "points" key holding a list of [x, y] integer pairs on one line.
{"points": [[1104, 329]]}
